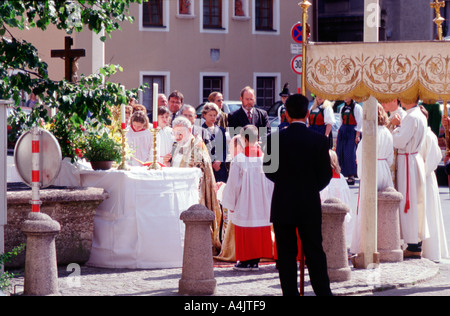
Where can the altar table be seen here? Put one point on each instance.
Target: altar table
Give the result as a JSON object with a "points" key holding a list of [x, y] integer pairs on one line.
{"points": [[139, 226]]}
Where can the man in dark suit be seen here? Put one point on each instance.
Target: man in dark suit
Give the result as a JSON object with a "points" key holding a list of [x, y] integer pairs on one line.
{"points": [[248, 114], [303, 171]]}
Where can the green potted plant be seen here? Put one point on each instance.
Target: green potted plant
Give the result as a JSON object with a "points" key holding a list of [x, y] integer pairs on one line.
{"points": [[101, 150]]}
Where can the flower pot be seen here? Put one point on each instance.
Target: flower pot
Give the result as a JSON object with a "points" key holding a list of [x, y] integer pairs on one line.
{"points": [[101, 165]]}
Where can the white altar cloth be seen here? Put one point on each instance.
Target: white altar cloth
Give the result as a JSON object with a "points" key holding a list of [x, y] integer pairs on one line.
{"points": [[139, 226]]}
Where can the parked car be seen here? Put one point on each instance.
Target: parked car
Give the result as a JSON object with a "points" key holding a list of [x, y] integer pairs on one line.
{"points": [[228, 107]]}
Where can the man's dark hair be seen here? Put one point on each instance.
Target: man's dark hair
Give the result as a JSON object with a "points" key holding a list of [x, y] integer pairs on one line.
{"points": [[297, 106], [176, 94]]}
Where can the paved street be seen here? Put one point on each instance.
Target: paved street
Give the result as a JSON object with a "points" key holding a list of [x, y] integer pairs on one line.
{"points": [[408, 278]]}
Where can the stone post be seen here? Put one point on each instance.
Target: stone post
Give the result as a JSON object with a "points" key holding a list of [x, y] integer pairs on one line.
{"points": [[333, 235], [41, 270], [389, 226], [197, 277]]}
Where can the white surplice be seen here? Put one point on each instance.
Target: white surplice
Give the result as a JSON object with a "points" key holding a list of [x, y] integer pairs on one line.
{"points": [[338, 188], [385, 158], [248, 192], [142, 144], [435, 247], [408, 139], [164, 141]]}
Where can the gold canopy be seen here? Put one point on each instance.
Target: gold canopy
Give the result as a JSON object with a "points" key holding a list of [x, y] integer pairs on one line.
{"points": [[385, 70]]}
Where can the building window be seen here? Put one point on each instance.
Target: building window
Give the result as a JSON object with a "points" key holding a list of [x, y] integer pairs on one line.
{"points": [[211, 84], [265, 91], [147, 97], [152, 13], [212, 14], [264, 15]]}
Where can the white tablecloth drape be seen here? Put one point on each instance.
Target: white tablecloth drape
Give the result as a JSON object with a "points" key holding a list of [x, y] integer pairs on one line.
{"points": [[139, 226]]}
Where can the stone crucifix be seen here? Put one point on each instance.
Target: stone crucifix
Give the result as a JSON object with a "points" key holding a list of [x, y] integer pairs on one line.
{"points": [[70, 57]]}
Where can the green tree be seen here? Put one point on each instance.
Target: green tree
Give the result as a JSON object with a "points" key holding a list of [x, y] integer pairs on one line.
{"points": [[21, 69]]}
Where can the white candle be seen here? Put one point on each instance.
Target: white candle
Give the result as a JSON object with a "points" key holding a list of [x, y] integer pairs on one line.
{"points": [[122, 116], [155, 105]]}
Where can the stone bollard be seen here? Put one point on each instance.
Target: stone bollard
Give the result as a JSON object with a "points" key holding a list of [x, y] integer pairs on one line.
{"points": [[197, 277], [333, 235], [41, 269], [388, 231]]}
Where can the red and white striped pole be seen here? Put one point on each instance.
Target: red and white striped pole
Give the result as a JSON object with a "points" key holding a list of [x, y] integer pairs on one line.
{"points": [[35, 170]]}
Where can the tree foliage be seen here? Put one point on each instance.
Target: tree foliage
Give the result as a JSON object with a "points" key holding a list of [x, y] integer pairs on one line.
{"points": [[21, 69]]}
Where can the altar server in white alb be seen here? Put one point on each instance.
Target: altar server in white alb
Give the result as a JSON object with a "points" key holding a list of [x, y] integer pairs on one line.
{"points": [[408, 139], [435, 247], [140, 139], [338, 188], [385, 158], [248, 195]]}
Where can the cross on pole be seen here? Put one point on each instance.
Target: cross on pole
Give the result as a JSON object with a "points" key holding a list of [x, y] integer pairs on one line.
{"points": [[437, 5], [70, 56]]}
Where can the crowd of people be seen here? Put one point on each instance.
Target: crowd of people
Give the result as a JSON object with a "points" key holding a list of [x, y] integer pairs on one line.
{"points": [[256, 217]]}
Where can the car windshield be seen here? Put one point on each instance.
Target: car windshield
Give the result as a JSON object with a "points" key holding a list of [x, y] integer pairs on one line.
{"points": [[233, 106]]}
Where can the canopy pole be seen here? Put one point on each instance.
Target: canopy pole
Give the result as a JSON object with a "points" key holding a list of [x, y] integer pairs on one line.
{"points": [[305, 6], [368, 181], [437, 5]]}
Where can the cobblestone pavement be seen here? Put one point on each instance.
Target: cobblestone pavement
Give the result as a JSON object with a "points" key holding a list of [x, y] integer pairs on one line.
{"points": [[411, 277]]}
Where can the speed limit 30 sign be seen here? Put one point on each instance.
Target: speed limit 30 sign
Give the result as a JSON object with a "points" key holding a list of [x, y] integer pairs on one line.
{"points": [[297, 64]]}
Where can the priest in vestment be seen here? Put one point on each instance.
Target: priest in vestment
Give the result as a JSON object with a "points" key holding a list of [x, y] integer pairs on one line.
{"points": [[408, 139], [190, 151]]}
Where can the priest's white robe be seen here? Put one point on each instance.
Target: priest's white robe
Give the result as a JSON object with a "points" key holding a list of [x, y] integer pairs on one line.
{"points": [[142, 144], [385, 158], [408, 139], [391, 128], [435, 247]]}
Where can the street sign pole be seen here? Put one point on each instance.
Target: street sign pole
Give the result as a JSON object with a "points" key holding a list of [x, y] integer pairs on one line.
{"points": [[297, 50]]}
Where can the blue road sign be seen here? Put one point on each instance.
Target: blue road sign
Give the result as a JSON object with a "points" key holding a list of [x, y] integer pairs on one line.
{"points": [[297, 33]]}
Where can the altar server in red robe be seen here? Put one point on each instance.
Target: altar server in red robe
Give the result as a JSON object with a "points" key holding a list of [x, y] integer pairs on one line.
{"points": [[248, 196]]}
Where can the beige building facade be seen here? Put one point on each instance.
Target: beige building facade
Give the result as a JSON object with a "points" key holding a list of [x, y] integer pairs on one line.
{"points": [[199, 46], [195, 51]]}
